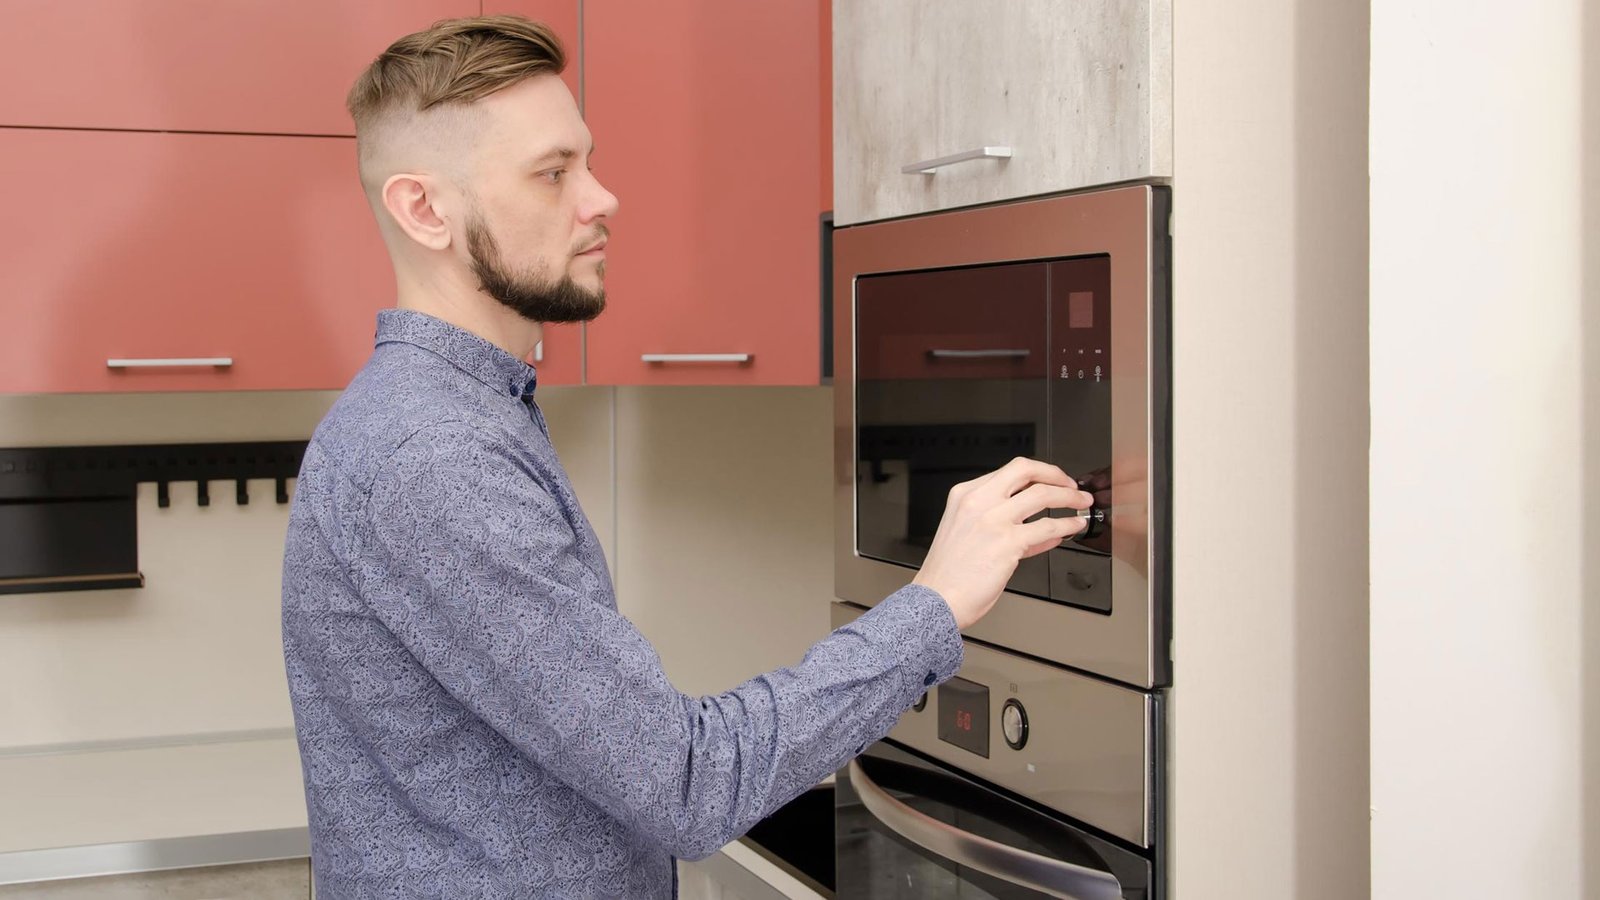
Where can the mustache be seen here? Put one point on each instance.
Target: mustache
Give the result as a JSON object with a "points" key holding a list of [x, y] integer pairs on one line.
{"points": [[601, 235]]}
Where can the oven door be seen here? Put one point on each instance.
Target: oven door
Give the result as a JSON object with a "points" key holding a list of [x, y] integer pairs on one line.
{"points": [[907, 827]]}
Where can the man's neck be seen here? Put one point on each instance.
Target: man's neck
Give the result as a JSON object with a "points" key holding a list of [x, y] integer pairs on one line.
{"points": [[464, 306]]}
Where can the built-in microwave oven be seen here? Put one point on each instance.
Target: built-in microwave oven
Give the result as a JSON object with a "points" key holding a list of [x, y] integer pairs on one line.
{"points": [[1036, 328]]}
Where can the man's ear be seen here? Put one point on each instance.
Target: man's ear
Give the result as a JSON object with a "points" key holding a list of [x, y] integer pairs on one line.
{"points": [[413, 201]]}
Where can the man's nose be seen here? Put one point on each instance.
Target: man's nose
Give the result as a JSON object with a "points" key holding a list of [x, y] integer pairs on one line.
{"points": [[601, 203]]}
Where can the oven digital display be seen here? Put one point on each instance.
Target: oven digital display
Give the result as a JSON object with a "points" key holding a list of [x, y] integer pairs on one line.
{"points": [[964, 715]]}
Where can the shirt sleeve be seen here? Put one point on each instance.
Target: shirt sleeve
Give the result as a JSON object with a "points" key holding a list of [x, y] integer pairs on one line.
{"points": [[467, 559]]}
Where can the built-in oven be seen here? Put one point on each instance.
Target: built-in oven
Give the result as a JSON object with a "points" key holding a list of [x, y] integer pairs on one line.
{"points": [[1038, 328], [1016, 778]]}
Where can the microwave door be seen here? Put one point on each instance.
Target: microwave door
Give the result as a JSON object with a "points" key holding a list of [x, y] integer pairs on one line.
{"points": [[950, 386]]}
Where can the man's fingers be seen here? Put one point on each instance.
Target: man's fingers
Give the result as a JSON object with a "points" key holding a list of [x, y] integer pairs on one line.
{"points": [[1038, 497], [1021, 472], [1045, 534]]}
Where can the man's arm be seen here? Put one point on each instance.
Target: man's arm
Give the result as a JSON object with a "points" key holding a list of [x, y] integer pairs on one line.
{"points": [[470, 563]]}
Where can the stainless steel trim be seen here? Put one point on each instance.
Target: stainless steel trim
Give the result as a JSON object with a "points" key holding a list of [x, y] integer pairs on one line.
{"points": [[979, 354], [1122, 645], [151, 856], [696, 357], [1017, 866], [929, 166], [220, 362]]}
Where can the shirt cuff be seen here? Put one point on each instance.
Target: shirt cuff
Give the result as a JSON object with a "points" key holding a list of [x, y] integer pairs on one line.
{"points": [[918, 620]]}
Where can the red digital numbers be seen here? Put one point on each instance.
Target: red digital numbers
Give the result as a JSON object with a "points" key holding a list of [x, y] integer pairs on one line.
{"points": [[963, 720]]}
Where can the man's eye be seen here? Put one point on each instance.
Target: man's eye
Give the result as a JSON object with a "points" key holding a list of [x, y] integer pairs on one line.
{"points": [[554, 175]]}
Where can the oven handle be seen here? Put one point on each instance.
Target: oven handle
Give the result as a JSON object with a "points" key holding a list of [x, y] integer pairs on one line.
{"points": [[1020, 867], [980, 354]]}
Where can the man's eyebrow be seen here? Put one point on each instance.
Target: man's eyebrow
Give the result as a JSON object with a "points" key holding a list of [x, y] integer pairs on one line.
{"points": [[558, 154]]}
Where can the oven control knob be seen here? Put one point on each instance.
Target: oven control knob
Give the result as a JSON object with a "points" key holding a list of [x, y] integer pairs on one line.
{"points": [[921, 704], [1014, 724]]}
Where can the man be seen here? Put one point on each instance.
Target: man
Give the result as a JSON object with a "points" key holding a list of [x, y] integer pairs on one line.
{"points": [[475, 719]]}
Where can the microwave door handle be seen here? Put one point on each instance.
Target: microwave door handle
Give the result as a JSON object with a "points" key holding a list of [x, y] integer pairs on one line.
{"points": [[980, 354], [1020, 867]]}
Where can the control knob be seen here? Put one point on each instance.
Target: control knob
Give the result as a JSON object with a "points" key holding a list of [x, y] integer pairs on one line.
{"points": [[1095, 521], [1014, 724]]}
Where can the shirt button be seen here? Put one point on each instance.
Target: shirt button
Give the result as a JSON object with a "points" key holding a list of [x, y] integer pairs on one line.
{"points": [[929, 680]]}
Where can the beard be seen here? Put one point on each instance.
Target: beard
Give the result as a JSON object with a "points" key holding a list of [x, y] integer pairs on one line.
{"points": [[529, 294]]}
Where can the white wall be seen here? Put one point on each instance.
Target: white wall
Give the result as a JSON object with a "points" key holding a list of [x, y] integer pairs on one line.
{"points": [[1484, 444], [725, 536], [159, 712], [1269, 739]]}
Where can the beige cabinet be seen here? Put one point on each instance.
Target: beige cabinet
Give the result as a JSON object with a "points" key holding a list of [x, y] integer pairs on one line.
{"points": [[1078, 94]]}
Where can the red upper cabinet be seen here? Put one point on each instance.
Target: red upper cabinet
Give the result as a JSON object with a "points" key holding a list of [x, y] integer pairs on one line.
{"points": [[825, 100], [705, 122], [559, 357], [267, 66], [132, 247]]}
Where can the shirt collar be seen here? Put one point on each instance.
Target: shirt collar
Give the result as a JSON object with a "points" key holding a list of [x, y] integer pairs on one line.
{"points": [[461, 348]]}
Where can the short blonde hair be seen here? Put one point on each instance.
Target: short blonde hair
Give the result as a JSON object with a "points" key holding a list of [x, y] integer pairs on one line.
{"points": [[457, 61]]}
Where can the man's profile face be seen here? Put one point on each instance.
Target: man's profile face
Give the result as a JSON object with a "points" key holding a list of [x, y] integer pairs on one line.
{"points": [[535, 230]]}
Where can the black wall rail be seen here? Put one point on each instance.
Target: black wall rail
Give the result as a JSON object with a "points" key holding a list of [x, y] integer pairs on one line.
{"points": [[68, 520]]}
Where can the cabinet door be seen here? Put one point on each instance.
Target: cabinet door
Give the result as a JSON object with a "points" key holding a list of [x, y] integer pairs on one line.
{"points": [[141, 246], [1080, 93], [266, 66], [705, 122]]}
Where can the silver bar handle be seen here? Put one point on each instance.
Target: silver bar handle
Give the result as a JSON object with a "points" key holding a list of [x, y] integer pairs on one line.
{"points": [[980, 354], [188, 362], [538, 352], [696, 357], [929, 166], [1020, 867]]}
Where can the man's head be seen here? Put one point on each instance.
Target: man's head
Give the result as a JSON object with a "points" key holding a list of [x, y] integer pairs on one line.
{"points": [[476, 161]]}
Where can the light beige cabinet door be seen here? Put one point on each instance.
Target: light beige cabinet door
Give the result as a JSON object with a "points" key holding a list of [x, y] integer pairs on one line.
{"points": [[1079, 92]]}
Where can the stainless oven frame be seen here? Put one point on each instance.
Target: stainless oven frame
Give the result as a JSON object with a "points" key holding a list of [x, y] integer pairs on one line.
{"points": [[1094, 749], [1129, 223]]}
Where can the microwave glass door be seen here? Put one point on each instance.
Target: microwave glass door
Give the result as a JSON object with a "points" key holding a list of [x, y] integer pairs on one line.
{"points": [[960, 370], [950, 385]]}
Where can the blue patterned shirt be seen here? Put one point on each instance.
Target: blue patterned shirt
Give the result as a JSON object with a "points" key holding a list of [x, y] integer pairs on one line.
{"points": [[475, 718]]}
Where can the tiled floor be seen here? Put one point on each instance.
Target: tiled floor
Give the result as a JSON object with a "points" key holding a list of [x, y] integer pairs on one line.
{"points": [[286, 880]]}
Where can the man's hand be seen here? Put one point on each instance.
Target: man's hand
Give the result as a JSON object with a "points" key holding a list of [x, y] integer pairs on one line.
{"points": [[984, 533]]}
